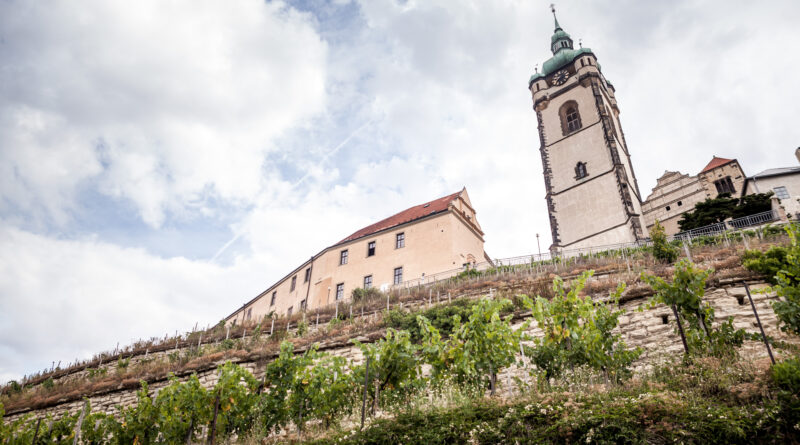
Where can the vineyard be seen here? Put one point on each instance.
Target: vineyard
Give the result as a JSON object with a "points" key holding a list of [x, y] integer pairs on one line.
{"points": [[515, 354]]}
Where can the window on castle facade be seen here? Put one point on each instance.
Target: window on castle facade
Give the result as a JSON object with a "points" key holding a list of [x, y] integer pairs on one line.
{"points": [[398, 275], [343, 258], [724, 185], [781, 192], [340, 291], [400, 240], [272, 300], [368, 282], [580, 170], [294, 283], [308, 275]]}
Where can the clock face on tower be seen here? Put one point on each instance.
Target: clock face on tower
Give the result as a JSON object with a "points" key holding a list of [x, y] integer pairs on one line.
{"points": [[560, 77]]}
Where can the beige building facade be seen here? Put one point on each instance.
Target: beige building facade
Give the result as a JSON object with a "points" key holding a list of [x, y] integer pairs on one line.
{"points": [[592, 195], [784, 183], [433, 237], [676, 193]]}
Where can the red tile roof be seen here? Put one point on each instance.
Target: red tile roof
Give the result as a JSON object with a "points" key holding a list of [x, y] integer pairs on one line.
{"points": [[716, 162], [408, 215]]}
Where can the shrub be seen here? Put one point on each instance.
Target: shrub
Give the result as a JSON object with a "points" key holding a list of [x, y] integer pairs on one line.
{"points": [[766, 263], [440, 317], [360, 295], [685, 294], [578, 332], [477, 349], [662, 249], [788, 285], [394, 365]]}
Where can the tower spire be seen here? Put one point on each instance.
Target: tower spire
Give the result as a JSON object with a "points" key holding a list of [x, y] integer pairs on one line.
{"points": [[553, 8]]}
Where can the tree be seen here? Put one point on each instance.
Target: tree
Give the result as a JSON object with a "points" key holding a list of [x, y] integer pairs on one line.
{"points": [[710, 211], [579, 332], [719, 209]]}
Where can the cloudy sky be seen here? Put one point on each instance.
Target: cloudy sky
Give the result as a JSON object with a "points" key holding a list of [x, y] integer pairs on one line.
{"points": [[162, 162]]}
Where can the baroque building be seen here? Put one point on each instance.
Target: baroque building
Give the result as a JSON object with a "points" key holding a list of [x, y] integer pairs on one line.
{"points": [[592, 195], [437, 236]]}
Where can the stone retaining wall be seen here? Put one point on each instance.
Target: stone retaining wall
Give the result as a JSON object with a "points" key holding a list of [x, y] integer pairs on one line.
{"points": [[652, 329]]}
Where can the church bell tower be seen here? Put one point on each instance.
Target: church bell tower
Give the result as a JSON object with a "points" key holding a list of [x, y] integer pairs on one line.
{"points": [[591, 191]]}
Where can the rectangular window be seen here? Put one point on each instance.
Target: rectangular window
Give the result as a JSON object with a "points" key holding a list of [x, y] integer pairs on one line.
{"points": [[303, 305], [398, 275], [308, 275], [339, 291], [781, 192], [249, 313], [289, 312], [294, 283], [724, 185], [368, 282], [400, 240], [272, 301], [343, 258], [371, 248]]}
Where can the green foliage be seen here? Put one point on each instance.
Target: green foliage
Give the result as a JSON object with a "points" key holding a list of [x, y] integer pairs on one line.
{"points": [[302, 328], [440, 316], [787, 308], [48, 384], [578, 332], [360, 295], [752, 204], [662, 249], [766, 263], [786, 377], [710, 211], [236, 389], [123, 363], [394, 365], [138, 422], [181, 409], [719, 209], [96, 372], [303, 387], [685, 293], [477, 349]]}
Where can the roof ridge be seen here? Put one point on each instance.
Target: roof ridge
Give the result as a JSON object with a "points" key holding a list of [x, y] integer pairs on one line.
{"points": [[408, 215]]}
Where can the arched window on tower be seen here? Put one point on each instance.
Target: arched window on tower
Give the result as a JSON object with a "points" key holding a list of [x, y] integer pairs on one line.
{"points": [[580, 170], [570, 118]]}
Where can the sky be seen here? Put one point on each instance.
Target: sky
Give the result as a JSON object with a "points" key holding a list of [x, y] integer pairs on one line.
{"points": [[161, 163]]}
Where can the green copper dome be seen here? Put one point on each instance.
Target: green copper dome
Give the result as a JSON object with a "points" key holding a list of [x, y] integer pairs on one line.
{"points": [[558, 35], [563, 57]]}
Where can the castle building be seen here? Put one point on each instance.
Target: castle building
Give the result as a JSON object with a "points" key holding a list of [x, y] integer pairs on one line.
{"points": [[676, 193], [437, 236], [592, 195]]}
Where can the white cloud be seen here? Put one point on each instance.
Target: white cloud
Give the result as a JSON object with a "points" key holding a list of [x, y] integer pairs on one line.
{"points": [[188, 107], [185, 97], [67, 299]]}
